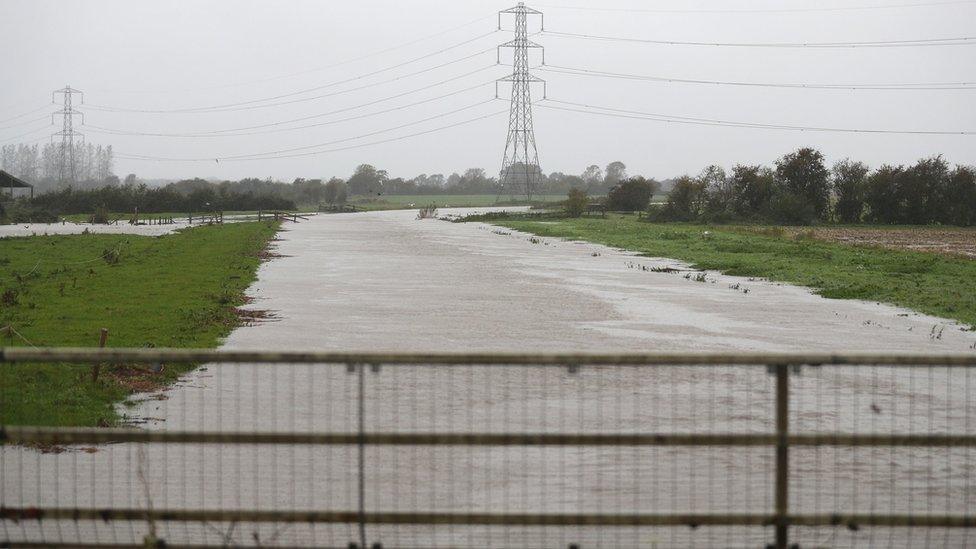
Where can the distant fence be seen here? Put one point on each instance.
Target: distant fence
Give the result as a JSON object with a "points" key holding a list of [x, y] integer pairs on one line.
{"points": [[520, 450]]}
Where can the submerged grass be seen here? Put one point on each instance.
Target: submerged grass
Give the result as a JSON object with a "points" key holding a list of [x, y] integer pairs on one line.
{"points": [[178, 290], [926, 282]]}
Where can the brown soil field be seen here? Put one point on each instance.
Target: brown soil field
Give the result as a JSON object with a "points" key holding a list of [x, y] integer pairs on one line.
{"points": [[955, 241]]}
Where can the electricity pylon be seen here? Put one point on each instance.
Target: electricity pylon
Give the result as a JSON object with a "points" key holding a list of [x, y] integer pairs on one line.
{"points": [[520, 165], [66, 153]]}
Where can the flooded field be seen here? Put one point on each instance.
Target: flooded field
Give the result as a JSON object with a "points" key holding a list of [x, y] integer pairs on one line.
{"points": [[387, 281]]}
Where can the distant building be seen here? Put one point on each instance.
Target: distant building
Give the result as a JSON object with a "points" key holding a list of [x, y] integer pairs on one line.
{"points": [[10, 182]]}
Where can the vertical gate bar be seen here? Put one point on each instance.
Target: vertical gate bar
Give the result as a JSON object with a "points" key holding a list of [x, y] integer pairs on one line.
{"points": [[362, 455], [782, 454]]}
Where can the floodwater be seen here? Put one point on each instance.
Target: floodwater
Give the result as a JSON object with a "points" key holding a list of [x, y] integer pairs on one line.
{"points": [[386, 281], [44, 229]]}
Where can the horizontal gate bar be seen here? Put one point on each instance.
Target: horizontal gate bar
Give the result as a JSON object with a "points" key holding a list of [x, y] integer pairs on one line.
{"points": [[86, 435], [93, 355], [63, 545], [483, 519]]}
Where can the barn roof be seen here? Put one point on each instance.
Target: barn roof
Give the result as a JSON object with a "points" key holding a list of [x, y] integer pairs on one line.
{"points": [[9, 181]]}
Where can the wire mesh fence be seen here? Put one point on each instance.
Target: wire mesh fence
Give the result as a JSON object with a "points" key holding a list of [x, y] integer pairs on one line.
{"points": [[259, 449]]}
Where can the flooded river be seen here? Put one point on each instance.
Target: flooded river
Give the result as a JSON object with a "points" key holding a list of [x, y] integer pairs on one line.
{"points": [[386, 281]]}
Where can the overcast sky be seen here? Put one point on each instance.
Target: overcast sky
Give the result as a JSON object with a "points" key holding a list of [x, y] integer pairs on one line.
{"points": [[151, 55]]}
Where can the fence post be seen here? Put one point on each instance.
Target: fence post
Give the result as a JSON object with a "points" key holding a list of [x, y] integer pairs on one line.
{"points": [[782, 455], [102, 338], [362, 452]]}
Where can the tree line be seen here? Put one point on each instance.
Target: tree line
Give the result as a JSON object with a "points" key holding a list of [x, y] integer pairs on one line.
{"points": [[800, 189], [368, 180], [40, 165], [194, 195]]}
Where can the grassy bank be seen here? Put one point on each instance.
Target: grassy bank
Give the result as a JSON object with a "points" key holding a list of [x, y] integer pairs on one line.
{"points": [[178, 290], [926, 282]]}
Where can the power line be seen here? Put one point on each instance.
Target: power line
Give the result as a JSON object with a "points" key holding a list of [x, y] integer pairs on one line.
{"points": [[350, 90], [23, 114], [24, 123], [316, 69], [225, 133], [35, 130], [361, 145], [346, 109], [769, 10], [957, 41], [893, 86], [638, 115], [255, 103], [275, 153]]}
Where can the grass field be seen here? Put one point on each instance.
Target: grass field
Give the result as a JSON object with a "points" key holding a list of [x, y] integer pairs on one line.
{"points": [[178, 290], [930, 283]]}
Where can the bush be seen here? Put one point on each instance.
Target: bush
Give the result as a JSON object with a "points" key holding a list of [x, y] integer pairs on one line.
{"points": [[631, 195], [685, 202], [752, 188], [803, 175], [336, 192], [100, 216], [849, 179], [22, 212], [921, 191], [789, 208], [576, 202], [880, 194], [960, 197], [176, 197]]}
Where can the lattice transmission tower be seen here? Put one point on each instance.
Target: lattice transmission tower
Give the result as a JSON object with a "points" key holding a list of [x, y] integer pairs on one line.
{"points": [[66, 153], [520, 165]]}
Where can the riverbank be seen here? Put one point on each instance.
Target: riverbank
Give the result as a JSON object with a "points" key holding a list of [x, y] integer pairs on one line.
{"points": [[177, 290], [930, 283]]}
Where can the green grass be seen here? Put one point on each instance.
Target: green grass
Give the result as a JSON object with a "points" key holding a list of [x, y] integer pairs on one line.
{"points": [[178, 290], [929, 283], [397, 202]]}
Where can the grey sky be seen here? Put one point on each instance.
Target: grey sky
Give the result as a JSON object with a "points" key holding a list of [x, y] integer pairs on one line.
{"points": [[171, 55]]}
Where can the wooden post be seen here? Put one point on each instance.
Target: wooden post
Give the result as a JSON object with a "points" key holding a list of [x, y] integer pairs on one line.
{"points": [[102, 338], [782, 455]]}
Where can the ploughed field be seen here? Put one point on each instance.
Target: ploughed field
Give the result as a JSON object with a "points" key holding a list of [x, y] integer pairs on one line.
{"points": [[960, 241]]}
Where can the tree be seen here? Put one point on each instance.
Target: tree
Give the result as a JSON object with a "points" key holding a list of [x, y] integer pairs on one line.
{"points": [[881, 194], [592, 176], [803, 174], [335, 191], [752, 189], [615, 173], [849, 179], [686, 200], [631, 195], [718, 191], [576, 202], [921, 191], [367, 180], [960, 197]]}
